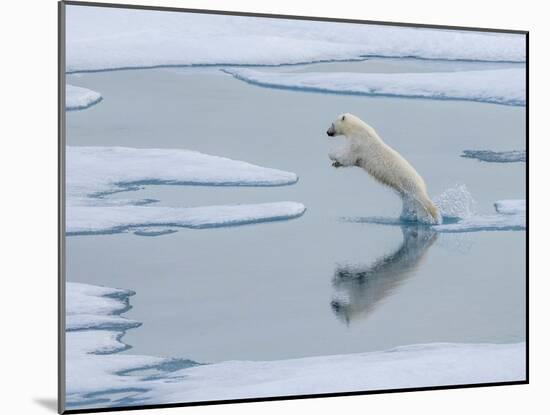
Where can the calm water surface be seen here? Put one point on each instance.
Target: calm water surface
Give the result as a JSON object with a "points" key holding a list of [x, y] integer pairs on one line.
{"points": [[318, 284]]}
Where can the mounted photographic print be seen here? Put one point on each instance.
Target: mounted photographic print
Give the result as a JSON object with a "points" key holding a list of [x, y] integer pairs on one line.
{"points": [[259, 207]]}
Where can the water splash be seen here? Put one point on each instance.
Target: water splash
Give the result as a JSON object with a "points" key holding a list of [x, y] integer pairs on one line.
{"points": [[456, 203]]}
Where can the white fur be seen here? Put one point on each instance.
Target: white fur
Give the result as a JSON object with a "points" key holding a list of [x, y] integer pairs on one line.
{"points": [[365, 149]]}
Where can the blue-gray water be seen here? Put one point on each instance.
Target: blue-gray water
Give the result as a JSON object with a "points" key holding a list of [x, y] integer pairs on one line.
{"points": [[318, 284]]}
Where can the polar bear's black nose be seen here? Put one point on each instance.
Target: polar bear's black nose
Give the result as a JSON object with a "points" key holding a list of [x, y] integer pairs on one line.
{"points": [[330, 133]]}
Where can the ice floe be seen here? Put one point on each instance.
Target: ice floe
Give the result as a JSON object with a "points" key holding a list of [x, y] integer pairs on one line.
{"points": [[436, 364], [93, 306], [457, 209], [79, 98], [115, 219], [511, 207], [98, 376], [510, 217], [485, 223], [96, 171], [476, 223], [101, 38], [91, 367], [92, 173], [496, 156], [500, 86]]}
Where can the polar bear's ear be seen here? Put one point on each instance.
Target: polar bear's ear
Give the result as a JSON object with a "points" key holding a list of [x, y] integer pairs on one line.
{"points": [[343, 117]]}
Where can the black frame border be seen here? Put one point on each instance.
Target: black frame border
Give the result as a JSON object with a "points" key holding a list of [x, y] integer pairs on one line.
{"points": [[61, 207]]}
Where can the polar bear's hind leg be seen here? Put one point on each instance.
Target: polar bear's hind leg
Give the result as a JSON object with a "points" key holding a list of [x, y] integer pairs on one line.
{"points": [[417, 208], [433, 211]]}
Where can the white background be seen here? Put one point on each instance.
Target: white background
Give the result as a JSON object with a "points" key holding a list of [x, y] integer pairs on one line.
{"points": [[28, 151]]}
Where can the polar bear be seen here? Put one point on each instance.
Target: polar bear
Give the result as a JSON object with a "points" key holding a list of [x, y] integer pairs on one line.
{"points": [[365, 149]]}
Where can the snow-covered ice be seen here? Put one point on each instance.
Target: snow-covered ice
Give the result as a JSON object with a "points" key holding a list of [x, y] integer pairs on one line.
{"points": [[79, 98], [485, 223], [103, 170], [511, 206], [85, 299], [98, 376], [435, 364], [108, 38], [115, 219], [91, 368], [496, 156], [93, 306], [500, 86], [92, 173]]}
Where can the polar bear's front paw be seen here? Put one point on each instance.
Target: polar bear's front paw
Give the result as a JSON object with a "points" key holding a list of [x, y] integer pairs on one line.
{"points": [[336, 163]]}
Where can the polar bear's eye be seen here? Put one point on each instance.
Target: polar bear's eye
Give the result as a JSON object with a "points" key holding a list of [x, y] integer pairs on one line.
{"points": [[343, 117]]}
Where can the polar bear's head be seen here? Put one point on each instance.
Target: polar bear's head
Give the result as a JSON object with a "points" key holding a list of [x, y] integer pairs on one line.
{"points": [[346, 124]]}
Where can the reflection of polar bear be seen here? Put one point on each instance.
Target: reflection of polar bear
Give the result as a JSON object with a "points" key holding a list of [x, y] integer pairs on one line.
{"points": [[359, 288], [364, 148]]}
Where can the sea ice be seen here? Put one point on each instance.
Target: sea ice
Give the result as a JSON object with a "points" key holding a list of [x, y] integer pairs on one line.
{"points": [[115, 219], [511, 206], [496, 156], [434, 364], [101, 38], [91, 306], [499, 86], [485, 223], [92, 173], [96, 171], [78, 98], [510, 216], [97, 376]]}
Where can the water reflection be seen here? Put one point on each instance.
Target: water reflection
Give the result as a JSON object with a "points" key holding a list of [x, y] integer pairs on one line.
{"points": [[358, 288]]}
